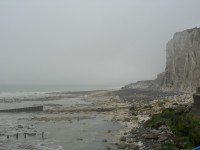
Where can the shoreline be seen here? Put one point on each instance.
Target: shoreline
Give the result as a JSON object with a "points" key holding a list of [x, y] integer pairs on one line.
{"points": [[144, 104], [116, 107]]}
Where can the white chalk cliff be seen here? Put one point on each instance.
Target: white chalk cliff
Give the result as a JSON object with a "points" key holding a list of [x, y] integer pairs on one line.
{"points": [[182, 63]]}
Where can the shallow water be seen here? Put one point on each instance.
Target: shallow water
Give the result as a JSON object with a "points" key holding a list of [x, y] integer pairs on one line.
{"points": [[62, 131], [82, 134], [71, 131], [65, 102]]}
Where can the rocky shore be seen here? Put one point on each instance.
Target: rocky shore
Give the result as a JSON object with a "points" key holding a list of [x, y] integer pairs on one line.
{"points": [[148, 99], [144, 105]]}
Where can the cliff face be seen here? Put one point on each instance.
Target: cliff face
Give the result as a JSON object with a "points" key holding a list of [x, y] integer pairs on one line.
{"points": [[182, 64], [183, 61]]}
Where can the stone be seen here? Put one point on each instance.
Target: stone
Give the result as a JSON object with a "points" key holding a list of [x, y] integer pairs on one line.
{"points": [[31, 134], [130, 136], [20, 126], [122, 146], [132, 131], [155, 131], [133, 147], [123, 138], [104, 140], [42, 145], [162, 139], [109, 131], [157, 147], [79, 139], [188, 108], [150, 136], [108, 148], [162, 128], [131, 140], [196, 105], [127, 119]]}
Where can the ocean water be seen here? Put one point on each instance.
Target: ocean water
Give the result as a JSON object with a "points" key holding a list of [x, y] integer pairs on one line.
{"points": [[24, 91], [53, 87]]}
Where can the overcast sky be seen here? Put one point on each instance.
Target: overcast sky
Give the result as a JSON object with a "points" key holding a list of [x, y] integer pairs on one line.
{"points": [[88, 41]]}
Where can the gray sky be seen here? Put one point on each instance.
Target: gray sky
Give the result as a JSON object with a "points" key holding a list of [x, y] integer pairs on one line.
{"points": [[88, 41]]}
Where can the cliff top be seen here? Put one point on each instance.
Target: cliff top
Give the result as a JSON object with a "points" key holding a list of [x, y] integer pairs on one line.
{"points": [[185, 32]]}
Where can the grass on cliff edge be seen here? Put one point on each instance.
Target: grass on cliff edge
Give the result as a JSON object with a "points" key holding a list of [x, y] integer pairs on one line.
{"points": [[185, 126]]}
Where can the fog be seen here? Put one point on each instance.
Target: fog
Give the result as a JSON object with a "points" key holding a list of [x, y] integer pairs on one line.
{"points": [[88, 41]]}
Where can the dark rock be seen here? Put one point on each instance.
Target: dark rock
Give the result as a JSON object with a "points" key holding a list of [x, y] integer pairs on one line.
{"points": [[122, 146], [162, 139], [133, 147], [162, 128], [127, 119], [133, 131], [157, 147], [104, 140], [123, 138], [20, 126], [31, 134], [130, 136], [108, 148], [155, 131], [131, 140], [188, 108], [79, 139], [150, 136], [196, 105]]}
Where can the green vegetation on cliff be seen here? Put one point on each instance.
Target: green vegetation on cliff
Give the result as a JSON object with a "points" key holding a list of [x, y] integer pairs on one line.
{"points": [[185, 127]]}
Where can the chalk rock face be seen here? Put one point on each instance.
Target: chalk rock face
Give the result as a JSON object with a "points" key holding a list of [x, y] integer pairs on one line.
{"points": [[183, 61], [182, 64]]}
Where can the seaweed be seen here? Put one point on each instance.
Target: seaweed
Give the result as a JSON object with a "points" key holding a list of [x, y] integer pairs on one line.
{"points": [[185, 127]]}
